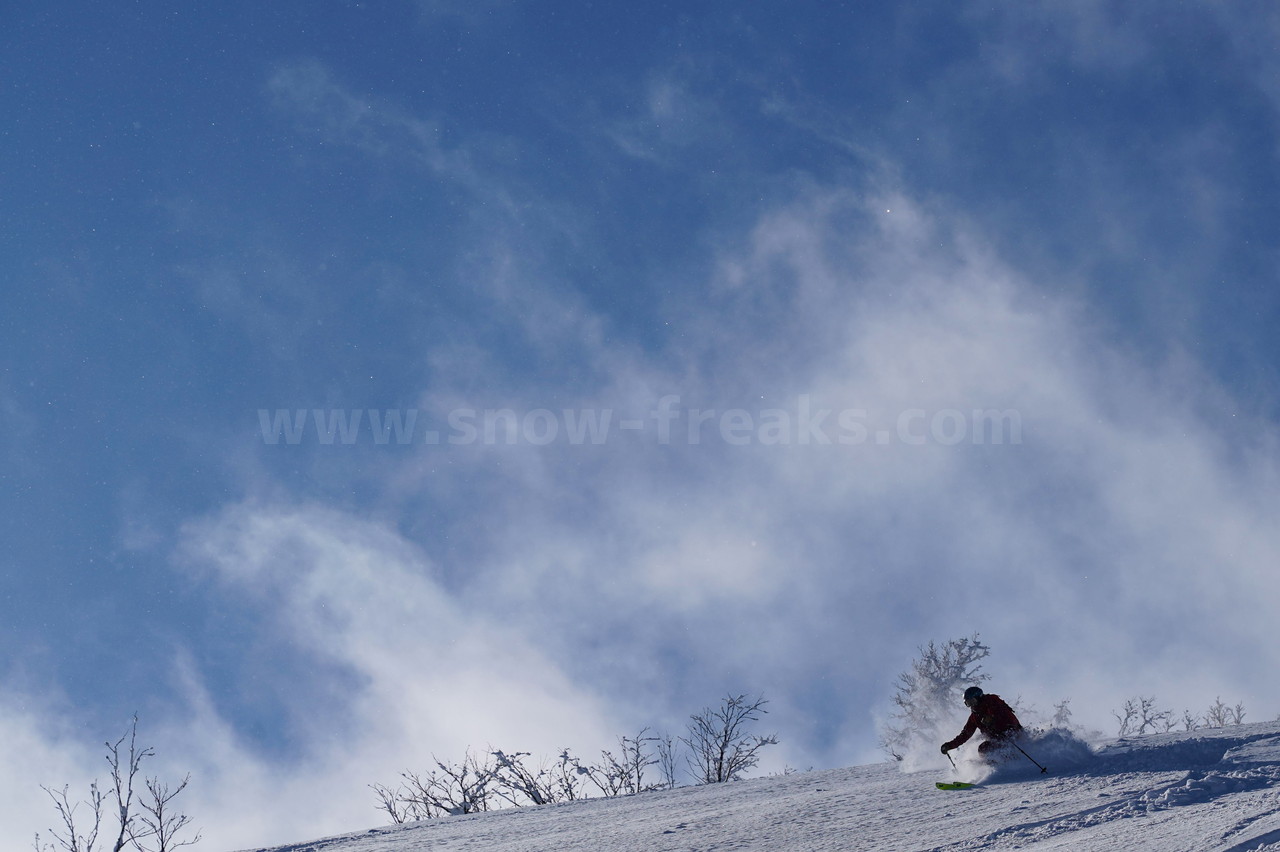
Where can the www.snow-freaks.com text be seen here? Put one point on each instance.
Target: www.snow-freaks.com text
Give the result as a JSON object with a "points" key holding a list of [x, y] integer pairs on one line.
{"points": [[667, 422]]}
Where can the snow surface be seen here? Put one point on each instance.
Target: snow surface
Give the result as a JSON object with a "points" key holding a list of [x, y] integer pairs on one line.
{"points": [[1205, 791]]}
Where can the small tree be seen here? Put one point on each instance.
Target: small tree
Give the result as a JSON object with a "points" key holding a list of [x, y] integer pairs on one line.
{"points": [[568, 777], [720, 749], [155, 829], [1219, 715], [636, 758], [518, 784], [471, 786], [559, 781], [667, 760], [452, 788], [1125, 717], [393, 802], [160, 823], [1140, 716], [608, 777], [928, 693], [623, 776]]}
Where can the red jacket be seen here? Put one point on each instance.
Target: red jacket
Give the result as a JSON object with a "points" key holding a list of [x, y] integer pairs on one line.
{"points": [[991, 716]]}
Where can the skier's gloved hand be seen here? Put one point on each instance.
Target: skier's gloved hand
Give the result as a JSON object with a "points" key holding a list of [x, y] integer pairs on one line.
{"points": [[945, 748]]}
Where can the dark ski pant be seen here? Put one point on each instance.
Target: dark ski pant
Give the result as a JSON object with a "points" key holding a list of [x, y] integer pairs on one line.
{"points": [[992, 747]]}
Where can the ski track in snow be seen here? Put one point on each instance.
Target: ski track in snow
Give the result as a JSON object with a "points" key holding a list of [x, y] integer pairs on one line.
{"points": [[1206, 791]]}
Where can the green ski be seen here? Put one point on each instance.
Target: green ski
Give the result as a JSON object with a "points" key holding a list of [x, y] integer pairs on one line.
{"points": [[954, 785]]}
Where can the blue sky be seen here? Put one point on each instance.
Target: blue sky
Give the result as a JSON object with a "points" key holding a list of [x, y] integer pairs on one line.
{"points": [[1065, 213]]}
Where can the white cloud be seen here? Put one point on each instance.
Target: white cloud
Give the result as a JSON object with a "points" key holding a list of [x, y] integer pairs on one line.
{"points": [[657, 576], [1126, 545], [678, 107], [35, 750], [1072, 551], [1123, 546], [1252, 33], [434, 677]]}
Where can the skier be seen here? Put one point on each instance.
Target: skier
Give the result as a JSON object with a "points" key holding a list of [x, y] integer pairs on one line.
{"points": [[989, 714]]}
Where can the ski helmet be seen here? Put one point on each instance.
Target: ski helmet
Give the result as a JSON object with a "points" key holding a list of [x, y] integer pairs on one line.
{"points": [[972, 694]]}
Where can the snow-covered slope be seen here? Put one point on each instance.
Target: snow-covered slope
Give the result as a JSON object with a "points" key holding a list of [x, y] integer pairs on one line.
{"points": [[1206, 791]]}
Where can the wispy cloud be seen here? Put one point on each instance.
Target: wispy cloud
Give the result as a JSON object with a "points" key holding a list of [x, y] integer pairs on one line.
{"points": [[36, 750], [429, 674], [1021, 41], [670, 114], [882, 305], [308, 93], [916, 247], [588, 588]]}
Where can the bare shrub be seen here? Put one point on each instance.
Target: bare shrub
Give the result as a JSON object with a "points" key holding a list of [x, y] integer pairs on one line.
{"points": [[1220, 715], [624, 775], [1141, 716], [161, 825], [720, 749], [147, 824], [561, 780], [668, 757], [465, 787]]}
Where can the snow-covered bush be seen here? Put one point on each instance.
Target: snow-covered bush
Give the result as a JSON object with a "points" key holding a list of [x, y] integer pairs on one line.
{"points": [[559, 781], [1062, 714], [452, 788], [1141, 716], [1219, 715], [1190, 721], [624, 776], [719, 748], [928, 697]]}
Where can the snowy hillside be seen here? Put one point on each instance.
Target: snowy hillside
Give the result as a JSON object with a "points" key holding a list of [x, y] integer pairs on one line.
{"points": [[1207, 791]]}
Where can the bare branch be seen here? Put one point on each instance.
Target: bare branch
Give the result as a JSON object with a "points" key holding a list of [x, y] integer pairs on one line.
{"points": [[667, 757], [462, 788], [517, 784], [75, 840], [392, 801], [124, 769], [720, 749], [161, 825], [1140, 716], [154, 830], [1220, 715]]}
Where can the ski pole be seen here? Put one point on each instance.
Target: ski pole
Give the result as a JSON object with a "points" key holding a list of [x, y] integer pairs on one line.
{"points": [[1043, 769], [953, 763]]}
